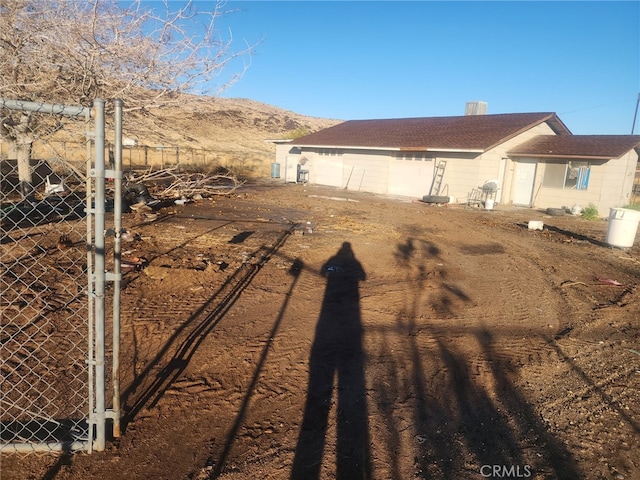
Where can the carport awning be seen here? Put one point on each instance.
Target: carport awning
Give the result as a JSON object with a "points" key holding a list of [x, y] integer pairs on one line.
{"points": [[597, 147]]}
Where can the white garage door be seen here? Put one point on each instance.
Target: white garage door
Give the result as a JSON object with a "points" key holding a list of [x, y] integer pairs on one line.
{"points": [[411, 175]]}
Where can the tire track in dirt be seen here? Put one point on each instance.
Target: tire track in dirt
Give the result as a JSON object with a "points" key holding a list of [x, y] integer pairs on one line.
{"points": [[594, 400], [474, 359]]}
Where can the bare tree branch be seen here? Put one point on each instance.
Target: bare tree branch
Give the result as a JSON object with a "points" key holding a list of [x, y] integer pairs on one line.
{"points": [[71, 52]]}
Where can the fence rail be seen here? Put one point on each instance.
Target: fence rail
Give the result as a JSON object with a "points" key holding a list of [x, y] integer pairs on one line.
{"points": [[135, 157]]}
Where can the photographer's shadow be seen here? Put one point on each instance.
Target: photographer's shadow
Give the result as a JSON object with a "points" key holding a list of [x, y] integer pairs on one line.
{"points": [[337, 353]]}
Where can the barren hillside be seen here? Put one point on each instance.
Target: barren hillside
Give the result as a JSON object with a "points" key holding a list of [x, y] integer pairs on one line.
{"points": [[194, 130], [222, 124]]}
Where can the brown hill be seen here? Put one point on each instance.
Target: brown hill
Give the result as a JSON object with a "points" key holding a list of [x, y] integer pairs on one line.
{"points": [[229, 129]]}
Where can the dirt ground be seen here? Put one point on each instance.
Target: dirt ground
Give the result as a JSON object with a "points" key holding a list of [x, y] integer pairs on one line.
{"points": [[305, 332]]}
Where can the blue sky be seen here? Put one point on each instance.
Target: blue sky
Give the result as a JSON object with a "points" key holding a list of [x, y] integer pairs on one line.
{"points": [[391, 59]]}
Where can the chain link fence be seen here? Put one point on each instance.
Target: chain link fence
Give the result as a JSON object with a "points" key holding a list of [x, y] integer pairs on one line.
{"points": [[52, 280], [138, 157]]}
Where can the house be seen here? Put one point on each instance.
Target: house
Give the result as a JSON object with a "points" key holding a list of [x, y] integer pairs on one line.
{"points": [[532, 158], [575, 169]]}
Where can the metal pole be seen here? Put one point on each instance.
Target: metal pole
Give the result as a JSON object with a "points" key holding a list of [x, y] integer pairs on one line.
{"points": [[635, 115], [90, 289], [117, 224], [99, 274]]}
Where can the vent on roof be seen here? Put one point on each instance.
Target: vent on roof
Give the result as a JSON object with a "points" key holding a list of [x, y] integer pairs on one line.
{"points": [[476, 108]]}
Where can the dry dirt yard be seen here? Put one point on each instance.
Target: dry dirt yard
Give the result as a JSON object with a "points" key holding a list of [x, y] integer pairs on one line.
{"points": [[305, 332]]}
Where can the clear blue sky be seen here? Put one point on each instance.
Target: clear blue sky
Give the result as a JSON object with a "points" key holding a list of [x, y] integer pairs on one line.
{"points": [[391, 59]]}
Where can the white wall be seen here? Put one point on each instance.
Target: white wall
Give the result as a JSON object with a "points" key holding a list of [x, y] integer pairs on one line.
{"points": [[366, 171]]}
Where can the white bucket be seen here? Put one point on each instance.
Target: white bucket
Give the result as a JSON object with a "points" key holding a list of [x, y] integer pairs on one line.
{"points": [[489, 203], [622, 228]]}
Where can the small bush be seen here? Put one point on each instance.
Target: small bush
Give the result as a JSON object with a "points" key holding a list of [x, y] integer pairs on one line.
{"points": [[590, 212]]}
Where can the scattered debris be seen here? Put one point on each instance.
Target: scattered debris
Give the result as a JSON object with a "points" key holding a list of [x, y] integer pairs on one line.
{"points": [[339, 199], [151, 217], [127, 236], [53, 184], [609, 281], [64, 242], [141, 207], [601, 281], [536, 225], [133, 263], [300, 230]]}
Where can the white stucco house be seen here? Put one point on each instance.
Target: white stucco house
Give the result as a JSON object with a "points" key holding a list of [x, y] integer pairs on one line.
{"points": [[532, 157]]}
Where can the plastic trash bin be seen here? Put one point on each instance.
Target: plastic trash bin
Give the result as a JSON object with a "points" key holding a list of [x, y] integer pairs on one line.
{"points": [[275, 170], [622, 228]]}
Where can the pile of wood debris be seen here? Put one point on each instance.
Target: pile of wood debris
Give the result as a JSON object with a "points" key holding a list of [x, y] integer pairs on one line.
{"points": [[171, 183]]}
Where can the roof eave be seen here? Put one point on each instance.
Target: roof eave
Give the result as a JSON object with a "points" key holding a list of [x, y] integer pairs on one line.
{"points": [[396, 149], [345, 147], [562, 155], [457, 150]]}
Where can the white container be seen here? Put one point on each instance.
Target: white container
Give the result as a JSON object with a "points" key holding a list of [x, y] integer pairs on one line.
{"points": [[622, 228], [489, 203], [536, 225]]}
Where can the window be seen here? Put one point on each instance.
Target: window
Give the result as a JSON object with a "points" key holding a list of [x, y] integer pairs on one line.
{"points": [[577, 175], [416, 156], [329, 152], [572, 175]]}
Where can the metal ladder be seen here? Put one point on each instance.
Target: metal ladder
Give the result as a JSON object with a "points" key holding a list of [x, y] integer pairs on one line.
{"points": [[437, 178]]}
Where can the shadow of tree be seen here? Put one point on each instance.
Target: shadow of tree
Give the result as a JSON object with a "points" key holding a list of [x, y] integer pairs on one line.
{"points": [[463, 418]]}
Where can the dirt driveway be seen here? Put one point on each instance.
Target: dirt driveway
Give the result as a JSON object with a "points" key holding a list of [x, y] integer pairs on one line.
{"points": [[307, 332]]}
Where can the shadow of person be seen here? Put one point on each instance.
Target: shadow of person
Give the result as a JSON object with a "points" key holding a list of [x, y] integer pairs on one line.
{"points": [[337, 353]]}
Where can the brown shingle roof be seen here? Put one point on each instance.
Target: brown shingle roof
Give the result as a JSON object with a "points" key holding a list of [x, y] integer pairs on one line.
{"points": [[583, 146], [474, 132]]}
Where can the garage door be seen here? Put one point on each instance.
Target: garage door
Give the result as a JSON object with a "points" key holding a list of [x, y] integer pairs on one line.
{"points": [[411, 175]]}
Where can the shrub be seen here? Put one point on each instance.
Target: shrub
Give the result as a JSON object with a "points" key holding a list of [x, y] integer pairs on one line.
{"points": [[590, 212]]}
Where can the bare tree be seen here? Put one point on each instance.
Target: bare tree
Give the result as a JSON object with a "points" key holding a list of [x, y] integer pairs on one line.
{"points": [[72, 51]]}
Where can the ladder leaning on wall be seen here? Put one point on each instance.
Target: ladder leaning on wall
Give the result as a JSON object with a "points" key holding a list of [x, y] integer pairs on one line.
{"points": [[437, 178]]}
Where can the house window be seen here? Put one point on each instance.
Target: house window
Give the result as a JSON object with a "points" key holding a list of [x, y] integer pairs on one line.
{"points": [[572, 175], [329, 152], [411, 156]]}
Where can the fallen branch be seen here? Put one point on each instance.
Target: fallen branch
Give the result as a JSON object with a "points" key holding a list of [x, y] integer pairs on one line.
{"points": [[170, 183]]}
